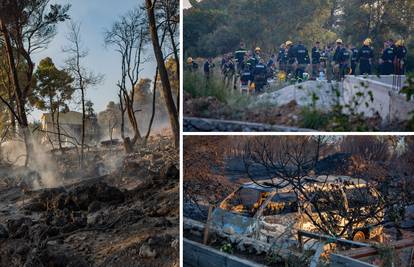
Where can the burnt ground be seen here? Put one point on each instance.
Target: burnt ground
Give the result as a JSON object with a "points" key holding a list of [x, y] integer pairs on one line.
{"points": [[127, 217]]}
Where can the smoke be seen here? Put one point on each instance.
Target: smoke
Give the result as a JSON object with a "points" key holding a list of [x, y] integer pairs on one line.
{"points": [[42, 169]]}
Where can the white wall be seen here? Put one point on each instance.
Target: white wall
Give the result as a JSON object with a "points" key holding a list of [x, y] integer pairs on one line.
{"points": [[388, 103]]}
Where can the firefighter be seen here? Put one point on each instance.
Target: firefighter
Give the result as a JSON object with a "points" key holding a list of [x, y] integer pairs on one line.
{"points": [[329, 53], [271, 64], [256, 54], [208, 67], [400, 57], [251, 61], [392, 44], [324, 57], [336, 59], [259, 75], [387, 60], [290, 57], [239, 57], [316, 60], [191, 64], [247, 69], [282, 57], [229, 72], [302, 59], [344, 61], [223, 62], [354, 58], [245, 73], [365, 56]]}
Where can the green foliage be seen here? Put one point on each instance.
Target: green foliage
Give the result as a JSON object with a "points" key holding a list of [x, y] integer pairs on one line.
{"points": [[215, 27], [408, 89], [199, 86], [227, 248], [313, 119], [410, 123], [53, 87]]}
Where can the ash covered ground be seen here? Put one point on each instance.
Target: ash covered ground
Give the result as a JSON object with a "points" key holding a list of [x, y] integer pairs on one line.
{"points": [[119, 210]]}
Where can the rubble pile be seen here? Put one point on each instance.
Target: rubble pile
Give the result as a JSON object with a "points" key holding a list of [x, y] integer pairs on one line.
{"points": [[128, 217]]}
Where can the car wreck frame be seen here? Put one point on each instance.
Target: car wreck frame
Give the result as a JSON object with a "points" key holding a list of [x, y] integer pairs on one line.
{"points": [[235, 219]]}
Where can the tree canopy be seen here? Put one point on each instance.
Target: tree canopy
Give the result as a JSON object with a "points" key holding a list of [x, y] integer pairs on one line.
{"points": [[213, 27]]}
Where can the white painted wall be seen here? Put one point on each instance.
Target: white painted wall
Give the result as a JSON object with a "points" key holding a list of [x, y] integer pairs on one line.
{"points": [[388, 103]]}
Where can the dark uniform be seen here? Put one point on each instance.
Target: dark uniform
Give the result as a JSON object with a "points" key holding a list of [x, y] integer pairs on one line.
{"points": [[259, 76], [251, 62], [282, 59], [365, 56], [302, 57], [239, 56], [223, 62], [323, 58], [344, 60], [316, 61], [354, 60], [192, 66], [270, 67], [228, 68], [400, 59], [246, 74], [387, 66], [336, 55], [207, 69], [291, 58]]}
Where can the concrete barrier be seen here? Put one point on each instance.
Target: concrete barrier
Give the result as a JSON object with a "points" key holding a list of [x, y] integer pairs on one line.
{"points": [[198, 255], [388, 103]]}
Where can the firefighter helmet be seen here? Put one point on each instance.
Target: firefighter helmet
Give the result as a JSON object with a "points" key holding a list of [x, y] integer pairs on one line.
{"points": [[368, 41], [399, 42]]}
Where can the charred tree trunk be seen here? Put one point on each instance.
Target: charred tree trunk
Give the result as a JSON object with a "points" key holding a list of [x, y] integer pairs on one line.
{"points": [[20, 113], [129, 105], [83, 126], [154, 97], [166, 86], [58, 132], [176, 57], [128, 146]]}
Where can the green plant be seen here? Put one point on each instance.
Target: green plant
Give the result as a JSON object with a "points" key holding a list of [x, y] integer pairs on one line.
{"points": [[408, 89], [313, 119], [273, 258], [227, 248], [199, 86]]}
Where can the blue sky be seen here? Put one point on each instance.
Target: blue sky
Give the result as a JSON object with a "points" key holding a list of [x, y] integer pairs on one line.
{"points": [[95, 16]]}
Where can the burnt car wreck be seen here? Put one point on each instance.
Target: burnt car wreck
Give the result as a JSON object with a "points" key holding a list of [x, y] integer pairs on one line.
{"points": [[265, 212]]}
